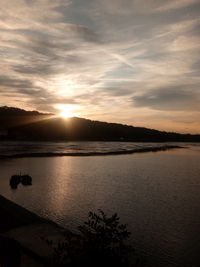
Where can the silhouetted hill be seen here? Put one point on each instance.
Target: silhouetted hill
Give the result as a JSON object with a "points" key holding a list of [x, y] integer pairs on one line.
{"points": [[18, 124], [11, 111]]}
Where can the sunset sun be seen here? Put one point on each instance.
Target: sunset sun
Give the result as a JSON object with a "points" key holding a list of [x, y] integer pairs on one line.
{"points": [[67, 111], [66, 114]]}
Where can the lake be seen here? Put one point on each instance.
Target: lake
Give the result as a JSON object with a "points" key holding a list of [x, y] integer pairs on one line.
{"points": [[156, 193]]}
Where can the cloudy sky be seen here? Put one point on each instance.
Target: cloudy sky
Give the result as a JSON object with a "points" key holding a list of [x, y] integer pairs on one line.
{"points": [[129, 61]]}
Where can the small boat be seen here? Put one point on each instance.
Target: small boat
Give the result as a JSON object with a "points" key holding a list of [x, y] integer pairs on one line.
{"points": [[26, 179], [16, 179]]}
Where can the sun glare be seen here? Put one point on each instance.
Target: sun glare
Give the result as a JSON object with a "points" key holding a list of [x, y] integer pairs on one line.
{"points": [[66, 114], [67, 111]]}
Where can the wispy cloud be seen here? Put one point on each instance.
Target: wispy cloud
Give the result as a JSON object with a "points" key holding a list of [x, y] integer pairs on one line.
{"points": [[138, 59]]}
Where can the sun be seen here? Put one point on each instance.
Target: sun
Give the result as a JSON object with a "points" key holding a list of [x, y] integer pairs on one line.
{"points": [[67, 111], [66, 114]]}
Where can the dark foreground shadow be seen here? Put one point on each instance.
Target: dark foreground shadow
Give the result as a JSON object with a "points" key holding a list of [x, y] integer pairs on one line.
{"points": [[9, 252]]}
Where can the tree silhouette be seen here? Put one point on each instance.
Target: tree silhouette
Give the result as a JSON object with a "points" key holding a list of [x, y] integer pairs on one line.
{"points": [[102, 242]]}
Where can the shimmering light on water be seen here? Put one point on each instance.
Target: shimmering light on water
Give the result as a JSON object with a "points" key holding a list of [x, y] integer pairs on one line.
{"points": [[157, 194]]}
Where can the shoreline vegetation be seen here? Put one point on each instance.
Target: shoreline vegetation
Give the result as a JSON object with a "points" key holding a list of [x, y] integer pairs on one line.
{"points": [[87, 154]]}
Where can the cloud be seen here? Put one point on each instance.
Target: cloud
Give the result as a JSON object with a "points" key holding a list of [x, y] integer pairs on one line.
{"points": [[8, 82], [173, 98], [175, 4], [102, 54], [186, 43], [144, 7]]}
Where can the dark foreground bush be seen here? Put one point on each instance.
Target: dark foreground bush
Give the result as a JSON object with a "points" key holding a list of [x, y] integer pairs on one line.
{"points": [[102, 242]]}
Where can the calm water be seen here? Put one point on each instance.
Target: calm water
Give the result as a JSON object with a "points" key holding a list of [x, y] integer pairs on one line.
{"points": [[157, 194]]}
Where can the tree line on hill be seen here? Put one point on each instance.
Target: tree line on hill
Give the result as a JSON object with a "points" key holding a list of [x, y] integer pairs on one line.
{"points": [[19, 124]]}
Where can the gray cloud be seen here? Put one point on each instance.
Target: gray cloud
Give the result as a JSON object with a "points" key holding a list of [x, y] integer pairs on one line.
{"points": [[8, 82], [118, 91], [36, 69], [84, 33], [172, 98]]}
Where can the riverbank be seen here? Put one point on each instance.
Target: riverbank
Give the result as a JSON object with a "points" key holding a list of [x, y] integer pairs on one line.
{"points": [[13, 215], [23, 235]]}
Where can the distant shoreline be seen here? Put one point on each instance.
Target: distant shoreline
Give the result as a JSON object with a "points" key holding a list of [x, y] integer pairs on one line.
{"points": [[87, 154]]}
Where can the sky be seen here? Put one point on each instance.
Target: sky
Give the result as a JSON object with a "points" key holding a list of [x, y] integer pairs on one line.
{"points": [[134, 62]]}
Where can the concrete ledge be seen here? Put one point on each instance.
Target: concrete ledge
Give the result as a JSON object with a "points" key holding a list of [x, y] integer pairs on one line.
{"points": [[13, 215], [30, 232]]}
